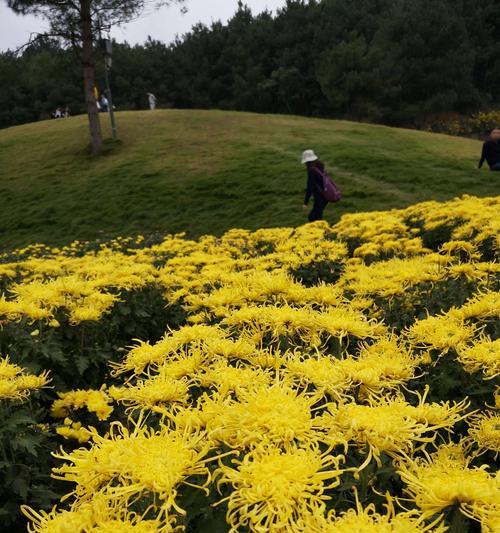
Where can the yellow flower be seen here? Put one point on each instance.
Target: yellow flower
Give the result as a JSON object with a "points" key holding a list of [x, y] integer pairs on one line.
{"points": [[227, 379], [325, 373], [29, 382], [389, 426], [167, 349], [465, 248], [9, 370], [240, 348], [99, 515], [305, 323], [392, 277], [367, 520], [184, 366], [124, 465], [85, 314], [260, 287], [154, 393], [95, 401], [444, 479], [9, 391], [276, 414], [441, 333], [482, 306], [75, 431], [484, 432], [381, 366], [272, 489], [483, 355], [489, 518], [16, 384]]}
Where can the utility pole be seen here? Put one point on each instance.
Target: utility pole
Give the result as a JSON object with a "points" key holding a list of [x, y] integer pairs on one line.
{"points": [[107, 48]]}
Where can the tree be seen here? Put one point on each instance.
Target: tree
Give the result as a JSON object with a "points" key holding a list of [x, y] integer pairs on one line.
{"points": [[417, 62], [77, 23]]}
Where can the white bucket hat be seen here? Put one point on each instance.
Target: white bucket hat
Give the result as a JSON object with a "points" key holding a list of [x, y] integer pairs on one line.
{"points": [[309, 156]]}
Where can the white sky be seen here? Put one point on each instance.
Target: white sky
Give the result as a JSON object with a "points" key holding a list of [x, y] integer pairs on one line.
{"points": [[163, 25]]}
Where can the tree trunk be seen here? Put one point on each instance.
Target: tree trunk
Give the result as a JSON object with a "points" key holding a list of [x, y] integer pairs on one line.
{"points": [[89, 77]]}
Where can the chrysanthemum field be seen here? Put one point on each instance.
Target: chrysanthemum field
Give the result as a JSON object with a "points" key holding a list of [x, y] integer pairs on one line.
{"points": [[322, 379]]}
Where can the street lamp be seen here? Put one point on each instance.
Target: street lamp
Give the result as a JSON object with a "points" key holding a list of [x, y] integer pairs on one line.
{"points": [[107, 49]]}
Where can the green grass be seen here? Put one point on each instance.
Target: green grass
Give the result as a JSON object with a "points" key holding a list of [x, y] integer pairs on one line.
{"points": [[207, 171]]}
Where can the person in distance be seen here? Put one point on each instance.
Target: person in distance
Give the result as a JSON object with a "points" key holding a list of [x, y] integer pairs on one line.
{"points": [[491, 150]]}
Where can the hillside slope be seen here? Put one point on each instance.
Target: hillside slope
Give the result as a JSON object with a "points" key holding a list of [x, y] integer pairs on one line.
{"points": [[207, 171]]}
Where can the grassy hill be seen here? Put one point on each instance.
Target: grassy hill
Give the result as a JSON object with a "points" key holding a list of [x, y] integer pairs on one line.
{"points": [[207, 171]]}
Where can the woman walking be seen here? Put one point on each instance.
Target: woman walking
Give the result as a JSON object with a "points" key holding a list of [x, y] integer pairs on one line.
{"points": [[315, 185]]}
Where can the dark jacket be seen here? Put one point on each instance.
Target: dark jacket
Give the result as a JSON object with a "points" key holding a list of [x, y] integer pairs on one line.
{"points": [[491, 153], [314, 184]]}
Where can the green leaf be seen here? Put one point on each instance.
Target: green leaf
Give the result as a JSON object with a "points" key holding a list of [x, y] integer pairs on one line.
{"points": [[214, 521], [82, 363], [29, 444], [20, 487], [19, 418]]}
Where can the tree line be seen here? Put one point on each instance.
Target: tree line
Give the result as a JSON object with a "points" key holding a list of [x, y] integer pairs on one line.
{"points": [[397, 62]]}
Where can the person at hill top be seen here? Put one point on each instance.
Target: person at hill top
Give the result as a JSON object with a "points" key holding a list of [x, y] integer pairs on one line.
{"points": [[152, 101], [491, 150], [319, 186]]}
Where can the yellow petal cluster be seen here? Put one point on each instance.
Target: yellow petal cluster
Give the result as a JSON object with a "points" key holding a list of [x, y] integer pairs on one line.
{"points": [[484, 355], [273, 489], [123, 465], [16, 384], [445, 479], [94, 401], [390, 426]]}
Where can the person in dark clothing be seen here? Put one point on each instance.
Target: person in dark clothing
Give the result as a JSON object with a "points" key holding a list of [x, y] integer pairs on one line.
{"points": [[314, 185], [491, 150]]}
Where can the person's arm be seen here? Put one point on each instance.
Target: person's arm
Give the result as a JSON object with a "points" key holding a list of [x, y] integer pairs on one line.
{"points": [[483, 155], [310, 187]]}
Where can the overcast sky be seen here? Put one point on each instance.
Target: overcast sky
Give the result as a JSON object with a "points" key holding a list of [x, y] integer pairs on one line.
{"points": [[163, 25]]}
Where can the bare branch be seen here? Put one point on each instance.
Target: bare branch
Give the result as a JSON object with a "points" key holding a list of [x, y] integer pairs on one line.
{"points": [[33, 39]]}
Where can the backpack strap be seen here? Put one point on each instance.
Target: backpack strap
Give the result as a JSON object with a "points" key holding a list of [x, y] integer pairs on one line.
{"points": [[321, 173]]}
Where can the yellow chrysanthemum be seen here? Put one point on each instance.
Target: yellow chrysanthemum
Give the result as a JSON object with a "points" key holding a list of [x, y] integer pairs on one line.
{"points": [[305, 324], [167, 349], [277, 414], [325, 373], [484, 432], [389, 426], [483, 355], [367, 520], [95, 401], [488, 517], [255, 287], [482, 306], [154, 393], [75, 431], [464, 249], [391, 278], [381, 366], [99, 515], [441, 333], [16, 384], [126, 465], [227, 379], [444, 479], [272, 489]]}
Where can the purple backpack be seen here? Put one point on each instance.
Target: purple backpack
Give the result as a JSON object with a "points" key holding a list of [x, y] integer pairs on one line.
{"points": [[330, 191]]}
